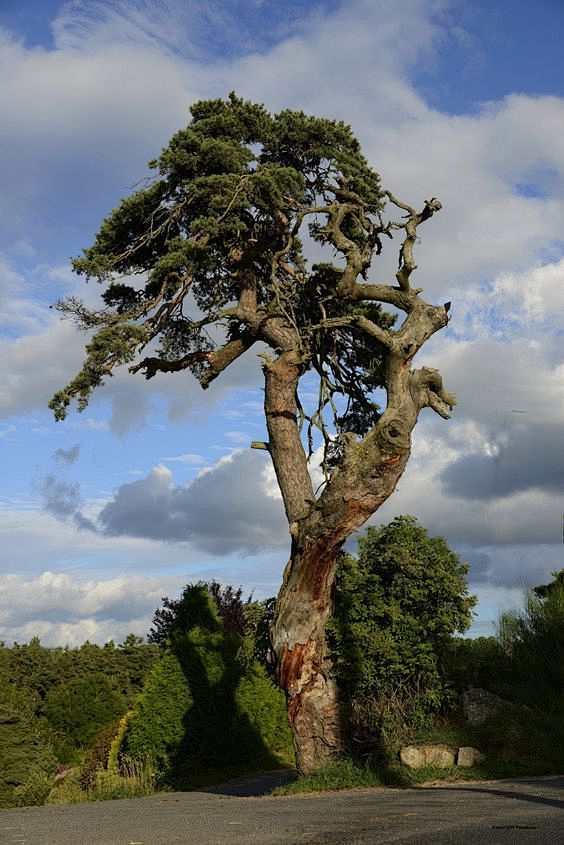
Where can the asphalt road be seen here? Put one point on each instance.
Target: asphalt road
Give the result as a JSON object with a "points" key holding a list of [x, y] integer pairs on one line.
{"points": [[524, 812]]}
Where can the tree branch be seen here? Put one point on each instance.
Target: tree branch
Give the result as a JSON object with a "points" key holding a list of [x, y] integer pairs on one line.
{"points": [[431, 392], [223, 357], [406, 261]]}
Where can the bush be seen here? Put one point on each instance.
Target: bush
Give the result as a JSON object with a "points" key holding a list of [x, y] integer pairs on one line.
{"points": [[469, 663], [208, 709], [27, 759], [397, 604], [97, 756], [200, 712], [532, 641], [79, 709], [156, 728]]}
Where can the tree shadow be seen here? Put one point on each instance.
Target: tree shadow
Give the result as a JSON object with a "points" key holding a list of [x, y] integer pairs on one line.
{"points": [[518, 791], [220, 740]]}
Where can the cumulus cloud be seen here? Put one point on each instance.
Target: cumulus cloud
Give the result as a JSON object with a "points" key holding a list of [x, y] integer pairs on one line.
{"points": [[91, 112], [64, 609], [527, 458], [227, 509], [500, 537]]}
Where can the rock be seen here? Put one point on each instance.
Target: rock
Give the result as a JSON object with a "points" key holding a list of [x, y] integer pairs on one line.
{"points": [[417, 756], [468, 756], [479, 704]]}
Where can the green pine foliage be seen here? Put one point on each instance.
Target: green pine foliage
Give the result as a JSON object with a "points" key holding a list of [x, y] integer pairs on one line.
{"points": [[234, 189], [39, 669], [156, 727], [27, 759], [204, 711]]}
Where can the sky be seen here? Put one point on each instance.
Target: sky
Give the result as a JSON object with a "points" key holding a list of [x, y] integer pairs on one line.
{"points": [[154, 485]]}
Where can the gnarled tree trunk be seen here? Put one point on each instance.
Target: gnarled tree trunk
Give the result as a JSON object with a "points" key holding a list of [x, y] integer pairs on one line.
{"points": [[367, 475], [305, 603]]}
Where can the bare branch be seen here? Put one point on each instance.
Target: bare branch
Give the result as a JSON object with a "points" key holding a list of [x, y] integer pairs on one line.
{"points": [[432, 393], [154, 365], [406, 261]]}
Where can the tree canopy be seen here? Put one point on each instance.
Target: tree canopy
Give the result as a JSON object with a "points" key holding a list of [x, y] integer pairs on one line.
{"points": [[207, 259], [398, 602]]}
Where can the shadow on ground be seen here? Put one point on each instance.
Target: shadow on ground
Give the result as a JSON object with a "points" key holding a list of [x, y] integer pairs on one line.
{"points": [[253, 785]]}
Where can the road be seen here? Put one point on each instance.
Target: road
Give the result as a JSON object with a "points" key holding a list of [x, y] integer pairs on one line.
{"points": [[524, 812]]}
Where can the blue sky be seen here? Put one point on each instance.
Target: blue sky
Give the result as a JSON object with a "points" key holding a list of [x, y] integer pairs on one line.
{"points": [[460, 100]]}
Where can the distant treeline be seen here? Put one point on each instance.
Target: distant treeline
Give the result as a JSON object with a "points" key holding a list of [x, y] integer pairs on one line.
{"points": [[39, 669]]}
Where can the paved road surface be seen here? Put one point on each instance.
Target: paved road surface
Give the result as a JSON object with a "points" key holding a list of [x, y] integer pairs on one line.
{"points": [[509, 812]]}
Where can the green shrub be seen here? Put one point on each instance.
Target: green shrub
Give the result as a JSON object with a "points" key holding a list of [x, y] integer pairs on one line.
{"points": [[27, 759], [397, 604], [533, 644], [200, 712], [115, 752], [97, 756], [156, 728], [264, 704], [33, 792], [79, 709], [135, 782], [469, 663]]}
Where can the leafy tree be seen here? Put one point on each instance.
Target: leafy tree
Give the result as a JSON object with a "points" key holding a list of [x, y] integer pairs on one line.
{"points": [[214, 242], [249, 620], [184, 613], [398, 602]]}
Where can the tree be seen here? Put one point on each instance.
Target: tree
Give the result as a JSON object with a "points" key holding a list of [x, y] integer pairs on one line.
{"points": [[397, 605], [216, 265], [203, 709], [79, 709], [532, 640], [544, 591], [249, 620]]}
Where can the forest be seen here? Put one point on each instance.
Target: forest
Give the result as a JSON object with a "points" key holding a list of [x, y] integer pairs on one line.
{"points": [[197, 701]]}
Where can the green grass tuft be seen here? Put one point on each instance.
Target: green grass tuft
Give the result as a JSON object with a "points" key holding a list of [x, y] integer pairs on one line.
{"points": [[345, 774]]}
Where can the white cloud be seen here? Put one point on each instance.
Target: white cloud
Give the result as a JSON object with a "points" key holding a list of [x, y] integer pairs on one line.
{"points": [[63, 609], [185, 459]]}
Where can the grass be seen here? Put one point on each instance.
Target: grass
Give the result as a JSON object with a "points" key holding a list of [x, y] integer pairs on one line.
{"points": [[520, 744], [344, 774], [108, 785]]}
